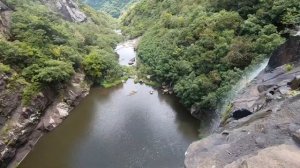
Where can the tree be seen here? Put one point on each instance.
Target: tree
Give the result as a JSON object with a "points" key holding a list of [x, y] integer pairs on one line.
{"points": [[100, 65]]}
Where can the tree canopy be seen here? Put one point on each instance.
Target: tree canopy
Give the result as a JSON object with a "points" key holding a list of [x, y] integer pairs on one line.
{"points": [[201, 48], [45, 50]]}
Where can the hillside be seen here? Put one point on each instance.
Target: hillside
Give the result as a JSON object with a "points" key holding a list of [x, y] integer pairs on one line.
{"points": [[50, 54], [264, 128], [112, 7], [200, 49]]}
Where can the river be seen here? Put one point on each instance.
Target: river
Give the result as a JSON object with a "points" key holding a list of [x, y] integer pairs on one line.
{"points": [[121, 127]]}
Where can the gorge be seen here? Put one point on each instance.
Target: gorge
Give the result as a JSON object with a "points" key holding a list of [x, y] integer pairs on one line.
{"points": [[193, 84], [124, 126]]}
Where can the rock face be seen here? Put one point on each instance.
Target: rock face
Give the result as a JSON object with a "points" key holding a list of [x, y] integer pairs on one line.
{"points": [[24, 125], [270, 136], [287, 53], [5, 15], [21, 126], [68, 9]]}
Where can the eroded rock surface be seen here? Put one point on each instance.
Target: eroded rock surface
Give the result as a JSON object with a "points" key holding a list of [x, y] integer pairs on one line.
{"points": [[24, 125], [68, 9], [5, 19], [270, 136]]}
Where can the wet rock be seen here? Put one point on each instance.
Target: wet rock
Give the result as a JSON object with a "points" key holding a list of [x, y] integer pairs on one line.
{"points": [[196, 112], [286, 53], [7, 154], [241, 113], [262, 139], [49, 124]]}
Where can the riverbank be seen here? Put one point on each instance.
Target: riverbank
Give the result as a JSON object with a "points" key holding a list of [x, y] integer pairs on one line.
{"points": [[45, 112], [48, 111], [110, 123], [41, 81]]}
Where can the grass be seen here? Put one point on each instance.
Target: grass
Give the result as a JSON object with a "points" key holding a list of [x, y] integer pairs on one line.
{"points": [[107, 84], [288, 67], [226, 114]]}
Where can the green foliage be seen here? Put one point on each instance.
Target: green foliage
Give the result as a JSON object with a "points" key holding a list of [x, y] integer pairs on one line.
{"points": [[226, 114], [288, 67], [29, 92], [47, 50], [201, 48], [112, 7], [52, 71], [101, 65], [4, 69]]}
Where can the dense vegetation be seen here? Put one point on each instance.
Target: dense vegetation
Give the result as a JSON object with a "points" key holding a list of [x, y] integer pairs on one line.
{"points": [[44, 50], [112, 7], [201, 47]]}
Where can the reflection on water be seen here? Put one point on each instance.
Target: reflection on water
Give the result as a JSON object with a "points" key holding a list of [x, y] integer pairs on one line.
{"points": [[112, 129], [126, 52]]}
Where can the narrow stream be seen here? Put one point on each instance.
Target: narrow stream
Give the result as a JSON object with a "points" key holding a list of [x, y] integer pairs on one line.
{"points": [[120, 127]]}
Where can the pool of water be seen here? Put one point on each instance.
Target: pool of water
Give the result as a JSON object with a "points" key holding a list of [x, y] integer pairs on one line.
{"points": [[120, 127]]}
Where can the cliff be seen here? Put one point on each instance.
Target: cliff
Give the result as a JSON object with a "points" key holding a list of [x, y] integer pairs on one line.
{"points": [[68, 9], [264, 127], [22, 125], [5, 14]]}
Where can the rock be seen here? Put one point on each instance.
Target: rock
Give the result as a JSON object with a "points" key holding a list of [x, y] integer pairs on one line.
{"points": [[284, 90], [263, 88], [282, 156], [3, 7], [8, 153], [260, 141], [293, 127], [68, 9], [225, 133], [241, 113], [62, 109], [165, 91], [286, 53], [295, 83], [49, 124], [296, 136], [131, 61]]}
